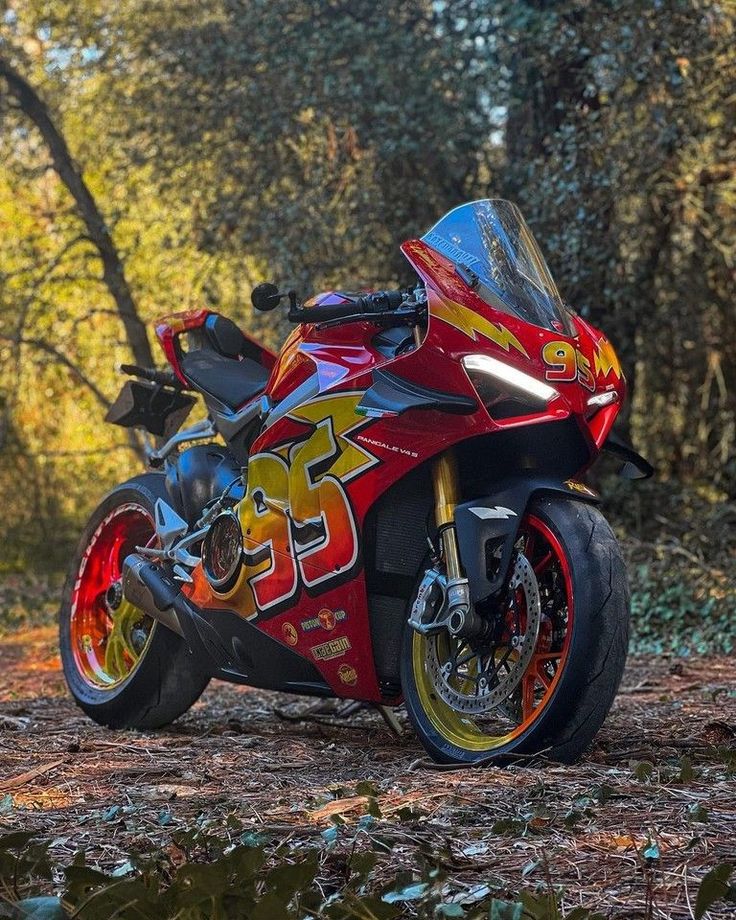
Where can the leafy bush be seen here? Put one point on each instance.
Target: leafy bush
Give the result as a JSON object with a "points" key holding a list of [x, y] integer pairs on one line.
{"points": [[246, 880]]}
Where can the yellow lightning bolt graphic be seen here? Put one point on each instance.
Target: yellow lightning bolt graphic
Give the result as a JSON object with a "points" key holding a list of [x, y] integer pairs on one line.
{"points": [[340, 408], [606, 360], [473, 324]]}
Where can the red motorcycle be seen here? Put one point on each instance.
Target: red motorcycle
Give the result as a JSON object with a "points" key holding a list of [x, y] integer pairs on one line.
{"points": [[390, 509]]}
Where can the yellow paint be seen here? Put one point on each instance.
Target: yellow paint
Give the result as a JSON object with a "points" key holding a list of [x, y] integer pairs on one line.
{"points": [[298, 526], [455, 727], [565, 364], [606, 360], [473, 324]]}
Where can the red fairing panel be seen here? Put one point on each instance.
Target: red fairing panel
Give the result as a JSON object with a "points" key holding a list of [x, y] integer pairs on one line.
{"points": [[319, 467]]}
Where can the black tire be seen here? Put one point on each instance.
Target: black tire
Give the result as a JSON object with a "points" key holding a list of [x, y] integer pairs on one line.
{"points": [[167, 679], [584, 693]]}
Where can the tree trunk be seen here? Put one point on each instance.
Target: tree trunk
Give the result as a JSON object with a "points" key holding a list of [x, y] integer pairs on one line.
{"points": [[69, 173]]}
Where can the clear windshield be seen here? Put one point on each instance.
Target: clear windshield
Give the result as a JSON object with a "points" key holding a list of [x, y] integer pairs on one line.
{"points": [[494, 252]]}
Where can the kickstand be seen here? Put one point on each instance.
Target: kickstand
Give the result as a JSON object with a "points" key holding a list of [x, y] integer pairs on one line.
{"points": [[323, 712], [389, 717]]}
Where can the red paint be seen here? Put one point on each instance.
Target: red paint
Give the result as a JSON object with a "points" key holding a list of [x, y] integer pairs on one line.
{"points": [[340, 359], [126, 527], [170, 328]]}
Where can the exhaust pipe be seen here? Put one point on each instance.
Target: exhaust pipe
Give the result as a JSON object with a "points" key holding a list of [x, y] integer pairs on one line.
{"points": [[150, 589], [153, 591]]}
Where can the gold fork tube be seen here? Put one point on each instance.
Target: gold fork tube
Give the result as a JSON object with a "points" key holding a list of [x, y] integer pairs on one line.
{"points": [[446, 497], [446, 493]]}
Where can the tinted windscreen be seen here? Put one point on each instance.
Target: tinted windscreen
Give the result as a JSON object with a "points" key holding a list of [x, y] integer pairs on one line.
{"points": [[494, 252]]}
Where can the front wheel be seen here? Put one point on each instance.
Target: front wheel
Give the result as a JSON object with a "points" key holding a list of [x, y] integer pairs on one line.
{"points": [[544, 681]]}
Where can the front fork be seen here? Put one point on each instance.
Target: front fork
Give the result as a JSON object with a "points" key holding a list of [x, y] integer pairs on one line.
{"points": [[457, 614], [459, 617]]}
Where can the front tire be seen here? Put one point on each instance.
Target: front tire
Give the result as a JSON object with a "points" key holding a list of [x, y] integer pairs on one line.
{"points": [[575, 664], [123, 669]]}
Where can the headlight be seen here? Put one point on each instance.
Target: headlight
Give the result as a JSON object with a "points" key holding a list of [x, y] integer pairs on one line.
{"points": [[511, 376]]}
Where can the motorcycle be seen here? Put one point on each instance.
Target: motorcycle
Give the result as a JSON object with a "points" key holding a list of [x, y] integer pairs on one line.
{"points": [[390, 510]]}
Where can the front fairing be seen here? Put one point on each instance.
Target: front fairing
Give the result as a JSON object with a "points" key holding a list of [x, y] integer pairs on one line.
{"points": [[580, 367]]}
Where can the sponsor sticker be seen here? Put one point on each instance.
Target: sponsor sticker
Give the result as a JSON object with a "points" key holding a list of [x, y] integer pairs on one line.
{"points": [[288, 630], [332, 649], [325, 619], [347, 674]]}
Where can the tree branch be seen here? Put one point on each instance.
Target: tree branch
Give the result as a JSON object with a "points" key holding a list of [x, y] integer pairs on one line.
{"points": [[62, 359], [63, 163]]}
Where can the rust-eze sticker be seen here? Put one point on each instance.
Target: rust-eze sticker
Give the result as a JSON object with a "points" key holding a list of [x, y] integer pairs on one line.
{"points": [[288, 630], [332, 649]]}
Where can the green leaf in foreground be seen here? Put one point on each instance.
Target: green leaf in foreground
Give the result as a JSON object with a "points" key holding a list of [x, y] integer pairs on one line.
{"points": [[506, 910], [449, 911], [408, 893], [713, 887], [40, 909]]}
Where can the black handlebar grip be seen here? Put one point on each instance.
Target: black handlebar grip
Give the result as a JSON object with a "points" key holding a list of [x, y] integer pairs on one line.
{"points": [[378, 302], [322, 314]]}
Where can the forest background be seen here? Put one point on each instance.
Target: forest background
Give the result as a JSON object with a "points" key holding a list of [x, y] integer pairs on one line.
{"points": [[157, 156]]}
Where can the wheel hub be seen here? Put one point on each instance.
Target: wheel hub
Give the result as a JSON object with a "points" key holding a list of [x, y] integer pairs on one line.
{"points": [[476, 679], [114, 596]]}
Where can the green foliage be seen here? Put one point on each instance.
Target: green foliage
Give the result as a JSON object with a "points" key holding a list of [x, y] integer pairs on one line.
{"points": [[714, 887], [257, 882], [676, 618]]}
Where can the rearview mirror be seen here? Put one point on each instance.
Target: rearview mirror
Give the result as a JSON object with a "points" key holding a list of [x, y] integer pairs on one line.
{"points": [[265, 296]]}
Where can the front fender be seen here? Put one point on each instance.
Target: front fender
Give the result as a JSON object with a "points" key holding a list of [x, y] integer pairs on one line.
{"points": [[487, 527]]}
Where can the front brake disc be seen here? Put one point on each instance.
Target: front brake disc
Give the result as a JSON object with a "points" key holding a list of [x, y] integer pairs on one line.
{"points": [[466, 687]]}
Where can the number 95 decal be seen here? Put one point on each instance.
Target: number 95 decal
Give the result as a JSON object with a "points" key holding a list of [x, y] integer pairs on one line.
{"points": [[565, 364]]}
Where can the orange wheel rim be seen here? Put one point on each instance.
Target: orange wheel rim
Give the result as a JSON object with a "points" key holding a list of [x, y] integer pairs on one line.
{"points": [[536, 688]]}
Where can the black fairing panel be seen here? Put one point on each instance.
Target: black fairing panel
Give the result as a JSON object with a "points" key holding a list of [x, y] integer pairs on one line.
{"points": [[487, 528], [200, 474], [396, 550], [252, 657], [635, 466], [391, 393]]}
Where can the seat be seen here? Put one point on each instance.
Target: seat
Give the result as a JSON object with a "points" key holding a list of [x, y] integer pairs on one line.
{"points": [[231, 382]]}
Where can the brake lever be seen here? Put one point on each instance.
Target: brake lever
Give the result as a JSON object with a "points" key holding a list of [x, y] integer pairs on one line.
{"points": [[407, 314], [339, 320]]}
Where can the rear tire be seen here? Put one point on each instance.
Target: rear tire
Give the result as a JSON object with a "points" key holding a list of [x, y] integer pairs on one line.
{"points": [[575, 706], [165, 680]]}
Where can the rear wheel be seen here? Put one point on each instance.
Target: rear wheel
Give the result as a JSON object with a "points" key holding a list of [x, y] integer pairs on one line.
{"points": [[123, 669], [543, 682]]}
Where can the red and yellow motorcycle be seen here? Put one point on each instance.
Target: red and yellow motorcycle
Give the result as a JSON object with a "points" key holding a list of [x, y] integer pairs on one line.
{"points": [[390, 509]]}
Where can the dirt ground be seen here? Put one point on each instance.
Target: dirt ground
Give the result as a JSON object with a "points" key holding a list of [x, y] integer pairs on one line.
{"points": [[586, 828]]}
